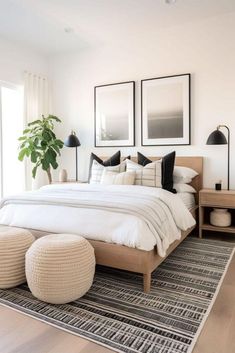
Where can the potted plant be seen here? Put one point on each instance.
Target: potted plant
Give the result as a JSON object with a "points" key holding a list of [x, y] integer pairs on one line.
{"points": [[39, 143]]}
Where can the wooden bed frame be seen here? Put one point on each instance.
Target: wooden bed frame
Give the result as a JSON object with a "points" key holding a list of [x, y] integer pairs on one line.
{"points": [[140, 261]]}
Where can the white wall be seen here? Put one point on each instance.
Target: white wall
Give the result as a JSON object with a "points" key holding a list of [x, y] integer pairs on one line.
{"points": [[15, 59], [205, 49]]}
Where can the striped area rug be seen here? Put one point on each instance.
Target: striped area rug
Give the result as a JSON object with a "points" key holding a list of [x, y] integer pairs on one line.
{"points": [[117, 314]]}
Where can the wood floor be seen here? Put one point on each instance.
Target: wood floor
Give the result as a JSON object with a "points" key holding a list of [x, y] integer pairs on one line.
{"points": [[22, 334]]}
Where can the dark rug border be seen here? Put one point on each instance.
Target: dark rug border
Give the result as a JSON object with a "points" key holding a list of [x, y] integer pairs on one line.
{"points": [[52, 322]]}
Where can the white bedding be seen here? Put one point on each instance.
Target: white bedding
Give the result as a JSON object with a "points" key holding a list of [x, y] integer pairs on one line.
{"points": [[135, 216], [188, 199]]}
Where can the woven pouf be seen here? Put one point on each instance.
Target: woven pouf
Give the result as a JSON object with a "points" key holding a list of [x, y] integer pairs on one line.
{"points": [[60, 268], [14, 242]]}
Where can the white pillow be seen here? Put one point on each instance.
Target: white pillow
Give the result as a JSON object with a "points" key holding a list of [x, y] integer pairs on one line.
{"points": [[112, 178], [184, 188], [149, 175], [183, 175], [97, 170]]}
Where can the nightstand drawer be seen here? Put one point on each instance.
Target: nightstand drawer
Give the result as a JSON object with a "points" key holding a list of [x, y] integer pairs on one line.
{"points": [[217, 199]]}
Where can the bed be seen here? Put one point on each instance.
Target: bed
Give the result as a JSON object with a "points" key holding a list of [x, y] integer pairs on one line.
{"points": [[130, 258]]}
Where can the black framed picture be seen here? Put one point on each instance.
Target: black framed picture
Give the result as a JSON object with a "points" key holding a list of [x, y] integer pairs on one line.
{"points": [[115, 114], [165, 111]]}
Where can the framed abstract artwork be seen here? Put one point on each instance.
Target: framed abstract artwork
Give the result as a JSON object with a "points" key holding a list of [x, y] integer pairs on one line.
{"points": [[114, 107], [165, 111]]}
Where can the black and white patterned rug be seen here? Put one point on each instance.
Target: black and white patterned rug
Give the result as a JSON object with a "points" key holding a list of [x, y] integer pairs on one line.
{"points": [[117, 314]]}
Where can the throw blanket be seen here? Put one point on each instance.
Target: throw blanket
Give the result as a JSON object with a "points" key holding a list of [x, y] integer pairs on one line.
{"points": [[134, 216]]}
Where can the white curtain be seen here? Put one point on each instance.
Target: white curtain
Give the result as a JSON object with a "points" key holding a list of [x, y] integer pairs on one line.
{"points": [[36, 101]]}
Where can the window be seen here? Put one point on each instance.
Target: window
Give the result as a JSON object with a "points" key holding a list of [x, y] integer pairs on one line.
{"points": [[11, 126]]}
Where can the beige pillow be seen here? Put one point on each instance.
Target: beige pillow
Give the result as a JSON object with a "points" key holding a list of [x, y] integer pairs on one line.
{"points": [[149, 175], [112, 178], [183, 175], [97, 170]]}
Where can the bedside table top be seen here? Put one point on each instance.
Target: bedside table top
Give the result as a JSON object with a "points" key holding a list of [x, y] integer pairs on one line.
{"points": [[221, 192]]}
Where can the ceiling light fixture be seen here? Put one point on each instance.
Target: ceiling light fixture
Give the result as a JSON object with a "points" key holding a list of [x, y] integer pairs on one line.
{"points": [[170, 2], [68, 30]]}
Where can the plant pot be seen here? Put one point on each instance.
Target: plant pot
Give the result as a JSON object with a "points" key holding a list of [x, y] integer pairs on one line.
{"points": [[63, 176]]}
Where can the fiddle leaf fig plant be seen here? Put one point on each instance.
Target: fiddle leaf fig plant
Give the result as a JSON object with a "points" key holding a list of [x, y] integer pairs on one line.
{"points": [[40, 144]]}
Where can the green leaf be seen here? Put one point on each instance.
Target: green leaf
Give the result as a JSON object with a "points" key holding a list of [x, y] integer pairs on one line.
{"points": [[39, 148], [46, 136], [53, 117], [43, 145], [22, 138], [45, 164], [22, 145], [56, 148], [22, 154], [27, 151], [54, 164], [34, 156], [51, 133], [50, 155], [59, 143], [31, 143], [34, 171], [34, 123], [35, 140]]}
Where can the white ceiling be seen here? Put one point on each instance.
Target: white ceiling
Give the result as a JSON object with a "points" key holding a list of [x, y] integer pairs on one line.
{"points": [[40, 23]]}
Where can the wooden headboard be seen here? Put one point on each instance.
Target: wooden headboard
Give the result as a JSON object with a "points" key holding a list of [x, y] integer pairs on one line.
{"points": [[195, 163]]}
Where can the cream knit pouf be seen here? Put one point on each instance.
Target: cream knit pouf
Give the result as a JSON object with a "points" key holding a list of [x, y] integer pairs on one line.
{"points": [[60, 268], [14, 242]]}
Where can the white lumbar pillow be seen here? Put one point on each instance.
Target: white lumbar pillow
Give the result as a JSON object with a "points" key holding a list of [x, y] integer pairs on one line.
{"points": [[97, 171], [149, 175], [112, 178], [183, 174]]}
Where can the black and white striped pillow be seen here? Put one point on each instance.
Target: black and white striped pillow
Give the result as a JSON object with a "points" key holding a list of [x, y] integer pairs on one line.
{"points": [[168, 162], [97, 171], [149, 175], [111, 178], [114, 160]]}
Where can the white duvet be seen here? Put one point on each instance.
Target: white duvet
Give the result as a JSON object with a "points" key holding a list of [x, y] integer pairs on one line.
{"points": [[135, 216]]}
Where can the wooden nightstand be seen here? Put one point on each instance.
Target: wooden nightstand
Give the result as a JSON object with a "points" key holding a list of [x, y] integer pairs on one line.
{"points": [[209, 199]]}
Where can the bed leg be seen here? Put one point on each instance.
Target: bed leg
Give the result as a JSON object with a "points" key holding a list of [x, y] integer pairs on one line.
{"points": [[147, 282]]}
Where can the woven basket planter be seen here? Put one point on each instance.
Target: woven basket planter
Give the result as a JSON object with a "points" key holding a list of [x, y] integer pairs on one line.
{"points": [[14, 243], [60, 268]]}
